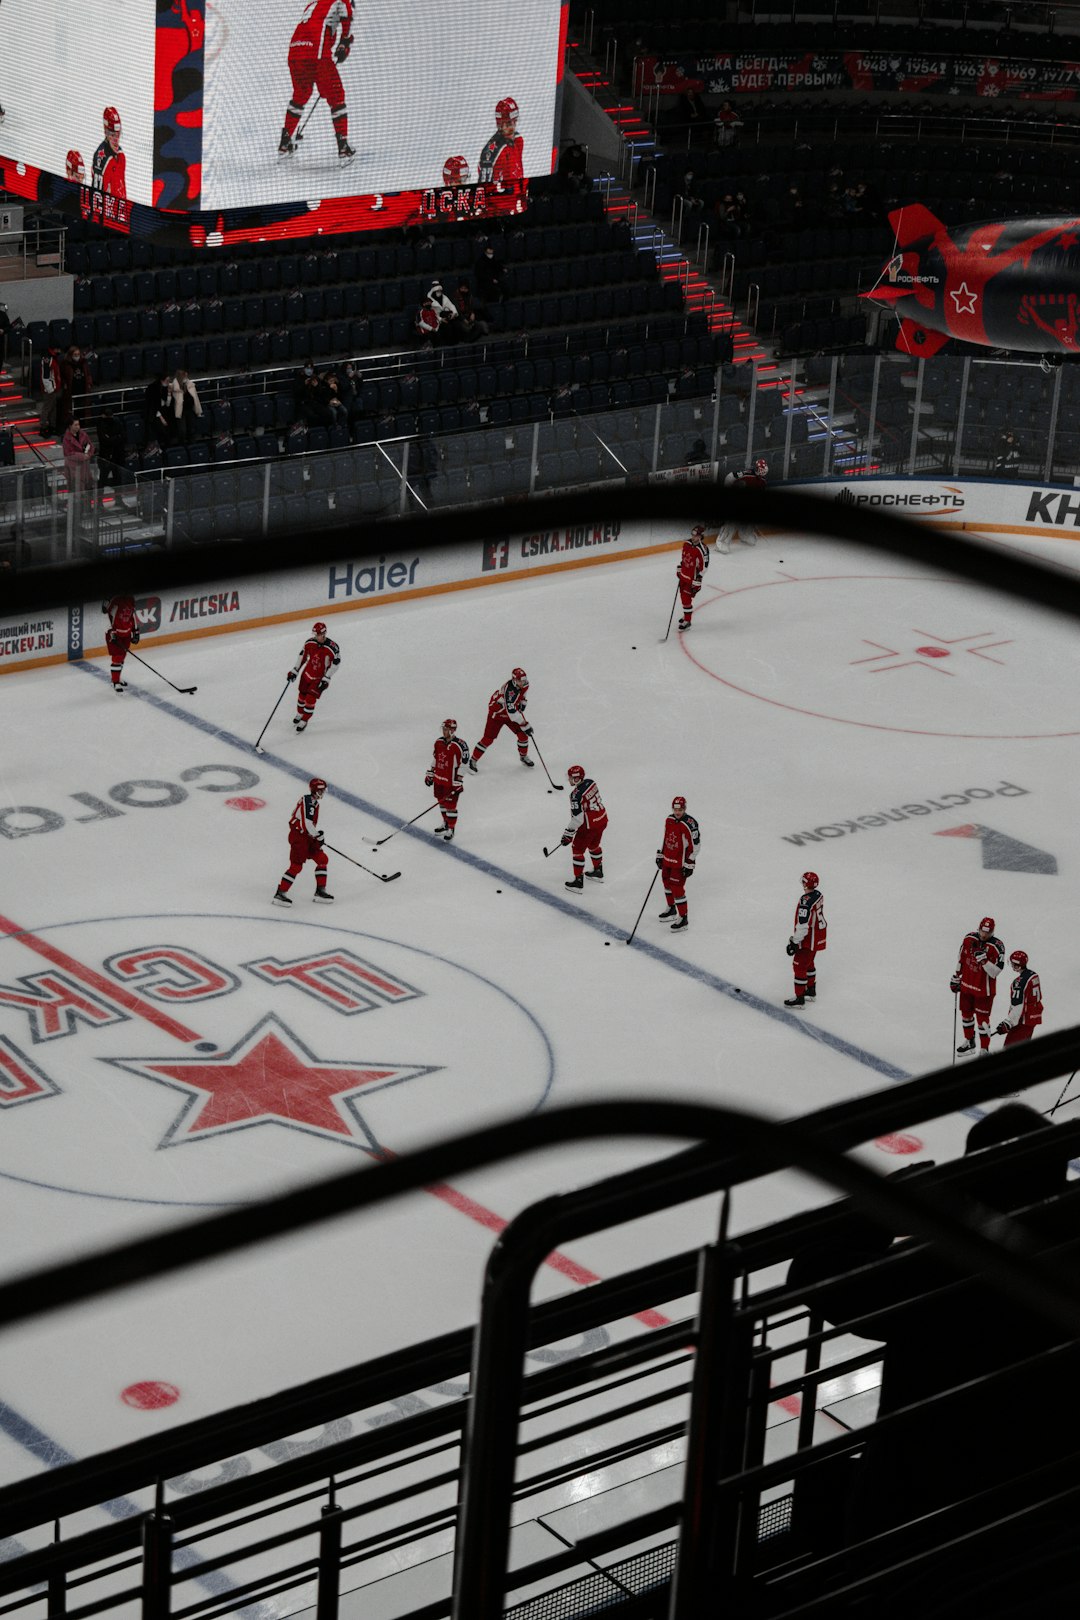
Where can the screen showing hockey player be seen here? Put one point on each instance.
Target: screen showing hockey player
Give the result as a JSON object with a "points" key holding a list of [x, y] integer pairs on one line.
{"points": [[333, 98], [77, 88]]}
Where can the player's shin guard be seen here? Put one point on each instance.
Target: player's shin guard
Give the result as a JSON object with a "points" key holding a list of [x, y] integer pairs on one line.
{"points": [[339, 117], [292, 119]]}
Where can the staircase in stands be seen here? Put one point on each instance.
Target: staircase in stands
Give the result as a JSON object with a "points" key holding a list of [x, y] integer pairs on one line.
{"points": [[700, 293]]}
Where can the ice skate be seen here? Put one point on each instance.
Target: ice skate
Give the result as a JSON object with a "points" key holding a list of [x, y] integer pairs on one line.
{"points": [[448, 834], [301, 725], [474, 767], [683, 922], [286, 146], [597, 874], [795, 1001], [670, 912], [574, 883], [811, 992], [345, 152], [968, 1046], [323, 895], [684, 624], [282, 899], [525, 760], [119, 686]]}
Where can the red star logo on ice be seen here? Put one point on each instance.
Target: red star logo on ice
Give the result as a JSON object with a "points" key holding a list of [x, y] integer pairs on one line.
{"points": [[270, 1078], [964, 299]]}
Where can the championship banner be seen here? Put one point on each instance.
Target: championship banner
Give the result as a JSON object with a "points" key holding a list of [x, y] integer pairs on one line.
{"points": [[749, 73]]}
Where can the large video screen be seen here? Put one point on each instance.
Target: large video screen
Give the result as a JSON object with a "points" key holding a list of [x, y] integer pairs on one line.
{"points": [[343, 97], [66, 72]]}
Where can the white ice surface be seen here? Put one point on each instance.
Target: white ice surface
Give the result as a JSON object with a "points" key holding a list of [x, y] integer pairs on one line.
{"points": [[522, 1000]]}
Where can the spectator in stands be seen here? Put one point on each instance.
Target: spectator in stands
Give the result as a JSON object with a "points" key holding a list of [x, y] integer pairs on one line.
{"points": [[692, 201], [300, 382], [490, 277], [573, 167], [471, 322], [447, 312], [851, 201], [726, 124], [339, 411], [1007, 454], [158, 415], [187, 408], [692, 115], [78, 458], [313, 402], [793, 209], [561, 402], [726, 212], [112, 450], [942, 1335], [77, 380], [49, 385]]}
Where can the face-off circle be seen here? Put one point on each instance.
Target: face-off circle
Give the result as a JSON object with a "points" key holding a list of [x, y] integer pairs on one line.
{"points": [[207, 1057], [903, 654]]}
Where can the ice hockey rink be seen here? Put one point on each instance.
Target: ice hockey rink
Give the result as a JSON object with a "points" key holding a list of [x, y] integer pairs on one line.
{"points": [[906, 735]]}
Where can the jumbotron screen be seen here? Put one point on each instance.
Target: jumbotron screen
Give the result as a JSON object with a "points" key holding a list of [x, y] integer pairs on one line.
{"points": [[268, 108]]}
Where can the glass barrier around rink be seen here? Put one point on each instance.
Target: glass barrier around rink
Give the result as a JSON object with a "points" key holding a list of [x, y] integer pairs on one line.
{"points": [[826, 416]]}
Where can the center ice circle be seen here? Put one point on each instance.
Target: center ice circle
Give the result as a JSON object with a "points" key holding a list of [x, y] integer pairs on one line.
{"points": [[928, 656], [161, 1095]]}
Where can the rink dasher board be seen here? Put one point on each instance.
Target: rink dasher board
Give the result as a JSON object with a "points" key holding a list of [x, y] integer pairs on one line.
{"points": [[226, 604]]}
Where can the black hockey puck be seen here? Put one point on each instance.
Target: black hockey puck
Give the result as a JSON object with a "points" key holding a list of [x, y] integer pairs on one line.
{"points": [[607, 942], [205, 1046], [551, 790], [633, 649], [498, 891]]}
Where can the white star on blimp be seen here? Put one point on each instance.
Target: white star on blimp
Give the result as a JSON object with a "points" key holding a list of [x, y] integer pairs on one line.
{"points": [[964, 299]]}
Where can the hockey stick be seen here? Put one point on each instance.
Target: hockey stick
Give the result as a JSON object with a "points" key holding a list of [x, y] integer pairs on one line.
{"points": [[1050, 1112], [187, 690], [300, 132], [554, 848], [558, 786], [383, 877], [671, 617], [644, 903], [955, 1004], [375, 842], [271, 715]]}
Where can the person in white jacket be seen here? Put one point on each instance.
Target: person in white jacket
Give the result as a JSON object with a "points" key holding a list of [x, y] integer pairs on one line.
{"points": [[187, 407]]}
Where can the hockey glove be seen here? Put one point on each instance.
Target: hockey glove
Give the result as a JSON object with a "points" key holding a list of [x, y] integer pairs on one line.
{"points": [[791, 947], [429, 780], [344, 47], [567, 838], [687, 873], [135, 637], [954, 984], [323, 685], [659, 859], [291, 676], [1003, 1029], [979, 956], [319, 837], [527, 729]]}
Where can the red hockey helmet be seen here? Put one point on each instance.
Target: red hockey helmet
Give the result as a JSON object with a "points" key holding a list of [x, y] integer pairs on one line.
{"points": [[449, 726], [111, 120], [519, 677], [761, 467], [576, 773], [699, 528], [810, 880], [456, 171], [1018, 960], [987, 925], [317, 787], [506, 111], [318, 629], [73, 165], [678, 805]]}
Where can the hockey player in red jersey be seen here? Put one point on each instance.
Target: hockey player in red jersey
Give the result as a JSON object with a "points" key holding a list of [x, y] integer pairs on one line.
{"points": [[305, 844], [319, 657], [108, 174], [588, 821], [981, 959], [676, 859], [807, 938], [692, 565], [321, 41], [444, 775], [1025, 1002], [506, 707], [123, 632], [501, 159], [751, 479]]}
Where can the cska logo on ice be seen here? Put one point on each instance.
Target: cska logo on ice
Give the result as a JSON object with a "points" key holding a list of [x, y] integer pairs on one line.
{"points": [[261, 1054]]}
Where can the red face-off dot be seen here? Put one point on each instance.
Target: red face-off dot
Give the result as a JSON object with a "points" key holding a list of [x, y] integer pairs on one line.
{"points": [[150, 1396], [246, 804], [899, 1144], [932, 652]]}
